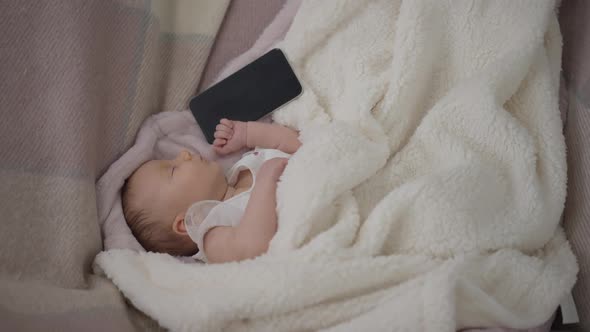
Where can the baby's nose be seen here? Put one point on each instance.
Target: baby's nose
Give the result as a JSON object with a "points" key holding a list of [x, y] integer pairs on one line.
{"points": [[185, 155]]}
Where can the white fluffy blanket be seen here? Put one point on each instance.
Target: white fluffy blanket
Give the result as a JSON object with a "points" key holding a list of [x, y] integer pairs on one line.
{"points": [[428, 190]]}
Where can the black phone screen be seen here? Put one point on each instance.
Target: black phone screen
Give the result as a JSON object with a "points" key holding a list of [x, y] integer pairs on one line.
{"points": [[247, 95]]}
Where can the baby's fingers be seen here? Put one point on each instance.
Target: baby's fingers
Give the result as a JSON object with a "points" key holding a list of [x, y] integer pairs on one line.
{"points": [[224, 128], [222, 134], [219, 142], [222, 150], [227, 122]]}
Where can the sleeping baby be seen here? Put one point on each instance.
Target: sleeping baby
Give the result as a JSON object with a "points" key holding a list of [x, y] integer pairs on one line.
{"points": [[188, 206]]}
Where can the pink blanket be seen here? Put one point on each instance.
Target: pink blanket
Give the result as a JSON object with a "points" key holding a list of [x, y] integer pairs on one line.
{"points": [[163, 135]]}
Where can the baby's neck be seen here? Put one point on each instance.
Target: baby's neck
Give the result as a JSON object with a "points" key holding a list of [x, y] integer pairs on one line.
{"points": [[244, 182], [229, 193]]}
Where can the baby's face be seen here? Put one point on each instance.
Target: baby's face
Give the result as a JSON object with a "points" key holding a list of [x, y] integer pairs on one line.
{"points": [[169, 187]]}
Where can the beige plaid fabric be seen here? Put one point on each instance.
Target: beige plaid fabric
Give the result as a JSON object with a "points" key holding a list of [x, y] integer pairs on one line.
{"points": [[78, 77], [574, 18]]}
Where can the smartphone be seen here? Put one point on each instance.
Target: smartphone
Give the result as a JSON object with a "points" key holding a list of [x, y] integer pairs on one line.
{"points": [[247, 95]]}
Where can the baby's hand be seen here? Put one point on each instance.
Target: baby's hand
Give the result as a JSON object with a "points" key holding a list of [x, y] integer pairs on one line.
{"points": [[230, 136], [272, 169]]}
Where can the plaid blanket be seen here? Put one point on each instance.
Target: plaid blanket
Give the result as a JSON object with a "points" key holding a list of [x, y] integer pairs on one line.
{"points": [[78, 79]]}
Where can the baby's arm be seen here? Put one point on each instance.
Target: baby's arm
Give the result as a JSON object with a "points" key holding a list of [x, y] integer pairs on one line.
{"points": [[232, 136], [272, 136], [258, 225]]}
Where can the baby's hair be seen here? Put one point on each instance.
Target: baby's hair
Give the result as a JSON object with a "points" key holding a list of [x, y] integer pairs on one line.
{"points": [[153, 235]]}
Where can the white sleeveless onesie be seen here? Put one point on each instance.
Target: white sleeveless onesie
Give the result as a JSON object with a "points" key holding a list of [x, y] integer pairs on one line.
{"points": [[204, 215]]}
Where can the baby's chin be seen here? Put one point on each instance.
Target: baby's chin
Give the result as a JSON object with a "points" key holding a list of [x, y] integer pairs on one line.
{"points": [[217, 166]]}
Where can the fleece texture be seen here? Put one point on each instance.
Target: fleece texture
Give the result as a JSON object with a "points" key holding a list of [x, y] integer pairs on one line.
{"points": [[428, 190]]}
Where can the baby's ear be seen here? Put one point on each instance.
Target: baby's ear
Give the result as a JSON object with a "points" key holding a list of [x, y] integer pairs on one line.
{"points": [[178, 225]]}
